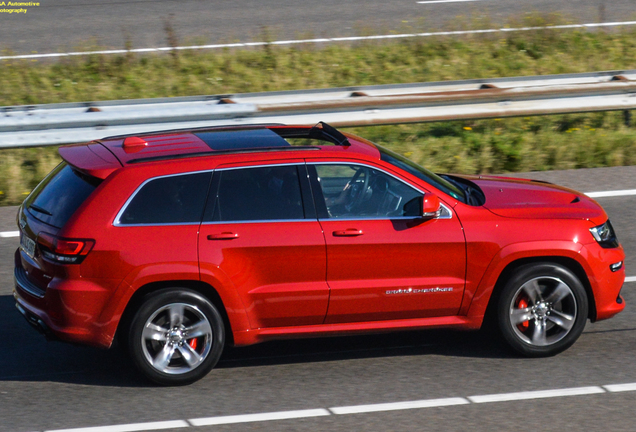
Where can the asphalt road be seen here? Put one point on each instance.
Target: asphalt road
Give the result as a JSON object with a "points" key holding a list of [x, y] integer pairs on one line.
{"points": [[50, 385], [62, 25]]}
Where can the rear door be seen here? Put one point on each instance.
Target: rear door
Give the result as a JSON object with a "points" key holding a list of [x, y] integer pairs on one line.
{"points": [[384, 261], [261, 231]]}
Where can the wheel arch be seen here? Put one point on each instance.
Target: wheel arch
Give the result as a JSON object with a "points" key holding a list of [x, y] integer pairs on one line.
{"points": [[569, 263], [199, 287]]}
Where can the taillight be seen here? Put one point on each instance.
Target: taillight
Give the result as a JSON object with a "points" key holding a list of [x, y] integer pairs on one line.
{"points": [[64, 250]]}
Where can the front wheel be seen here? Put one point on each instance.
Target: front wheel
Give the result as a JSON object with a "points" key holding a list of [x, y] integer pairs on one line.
{"points": [[542, 310], [176, 337]]}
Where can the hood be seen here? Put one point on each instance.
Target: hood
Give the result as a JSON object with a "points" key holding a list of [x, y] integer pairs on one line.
{"points": [[530, 199]]}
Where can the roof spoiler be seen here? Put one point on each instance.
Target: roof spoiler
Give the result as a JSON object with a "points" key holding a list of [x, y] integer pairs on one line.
{"points": [[323, 130]]}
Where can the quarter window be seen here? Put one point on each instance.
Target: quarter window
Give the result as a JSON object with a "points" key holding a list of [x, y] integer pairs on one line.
{"points": [[168, 200], [258, 194], [361, 191]]}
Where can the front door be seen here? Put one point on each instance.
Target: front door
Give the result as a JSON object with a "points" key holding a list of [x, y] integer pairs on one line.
{"points": [[384, 262]]}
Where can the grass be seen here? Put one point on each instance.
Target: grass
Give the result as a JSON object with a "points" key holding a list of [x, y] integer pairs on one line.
{"points": [[488, 146], [22, 169], [513, 145], [99, 77]]}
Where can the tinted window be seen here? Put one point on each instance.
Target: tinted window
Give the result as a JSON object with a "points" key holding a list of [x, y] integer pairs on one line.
{"points": [[422, 173], [363, 192], [60, 194], [259, 194], [174, 199]]}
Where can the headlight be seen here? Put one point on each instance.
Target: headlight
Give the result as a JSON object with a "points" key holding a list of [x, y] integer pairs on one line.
{"points": [[604, 235]]}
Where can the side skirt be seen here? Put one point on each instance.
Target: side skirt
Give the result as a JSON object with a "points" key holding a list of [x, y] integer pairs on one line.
{"points": [[253, 336]]}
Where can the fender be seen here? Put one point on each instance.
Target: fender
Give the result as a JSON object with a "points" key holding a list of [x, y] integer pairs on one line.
{"points": [[475, 306], [106, 325]]}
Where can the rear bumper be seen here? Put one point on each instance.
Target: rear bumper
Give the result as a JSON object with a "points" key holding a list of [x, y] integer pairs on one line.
{"points": [[33, 309], [34, 321], [65, 310]]}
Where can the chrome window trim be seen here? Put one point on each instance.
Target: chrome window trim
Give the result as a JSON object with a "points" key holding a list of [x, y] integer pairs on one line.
{"points": [[296, 164], [330, 219], [117, 222], [258, 221], [117, 219], [158, 224], [448, 215]]}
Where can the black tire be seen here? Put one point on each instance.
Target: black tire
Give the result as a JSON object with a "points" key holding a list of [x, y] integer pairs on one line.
{"points": [[176, 337], [542, 309]]}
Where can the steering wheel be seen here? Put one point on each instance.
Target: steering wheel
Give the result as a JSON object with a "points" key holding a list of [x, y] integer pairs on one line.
{"points": [[356, 189]]}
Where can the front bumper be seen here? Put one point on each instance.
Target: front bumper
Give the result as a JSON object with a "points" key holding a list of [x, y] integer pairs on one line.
{"points": [[606, 284]]}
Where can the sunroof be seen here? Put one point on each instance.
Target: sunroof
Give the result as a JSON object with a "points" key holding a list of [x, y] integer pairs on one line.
{"points": [[242, 139]]}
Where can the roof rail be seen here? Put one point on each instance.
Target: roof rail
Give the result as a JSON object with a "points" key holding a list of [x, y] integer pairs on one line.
{"points": [[218, 152]]}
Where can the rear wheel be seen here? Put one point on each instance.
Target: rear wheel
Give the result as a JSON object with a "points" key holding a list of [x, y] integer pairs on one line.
{"points": [[542, 309], [176, 337]]}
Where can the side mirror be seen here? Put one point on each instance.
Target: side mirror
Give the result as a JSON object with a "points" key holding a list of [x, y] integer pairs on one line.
{"points": [[430, 205]]}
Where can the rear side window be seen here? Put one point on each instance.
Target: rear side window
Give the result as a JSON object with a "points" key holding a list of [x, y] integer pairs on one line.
{"points": [[168, 200], [258, 194], [60, 194]]}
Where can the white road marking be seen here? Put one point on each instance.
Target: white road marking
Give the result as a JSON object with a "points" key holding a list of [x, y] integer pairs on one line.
{"points": [[445, 1], [134, 427], [427, 403], [8, 234], [248, 418], [315, 41], [505, 397], [620, 387], [357, 409], [617, 193], [630, 279]]}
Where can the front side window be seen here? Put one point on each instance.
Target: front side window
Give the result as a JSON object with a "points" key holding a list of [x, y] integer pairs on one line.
{"points": [[168, 200], [258, 194], [358, 191]]}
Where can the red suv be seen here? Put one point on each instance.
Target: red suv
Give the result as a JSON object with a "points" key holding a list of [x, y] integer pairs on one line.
{"points": [[179, 242]]}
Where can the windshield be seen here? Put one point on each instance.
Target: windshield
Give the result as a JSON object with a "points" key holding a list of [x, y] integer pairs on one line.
{"points": [[422, 173]]}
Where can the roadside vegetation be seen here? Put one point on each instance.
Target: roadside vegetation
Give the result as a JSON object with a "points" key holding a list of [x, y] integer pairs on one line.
{"points": [[485, 146]]}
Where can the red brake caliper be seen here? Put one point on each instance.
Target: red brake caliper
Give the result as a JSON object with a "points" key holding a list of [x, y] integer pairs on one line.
{"points": [[522, 305], [193, 343]]}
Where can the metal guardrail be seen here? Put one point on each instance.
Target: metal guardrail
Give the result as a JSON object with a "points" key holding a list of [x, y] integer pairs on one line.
{"points": [[55, 124]]}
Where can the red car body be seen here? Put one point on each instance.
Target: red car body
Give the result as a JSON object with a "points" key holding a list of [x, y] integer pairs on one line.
{"points": [[308, 277]]}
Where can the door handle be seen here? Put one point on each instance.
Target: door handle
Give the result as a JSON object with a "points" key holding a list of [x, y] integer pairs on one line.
{"points": [[349, 232], [223, 236]]}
